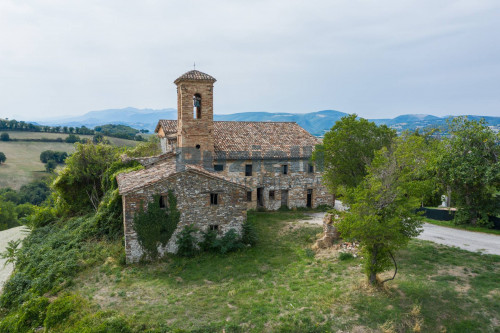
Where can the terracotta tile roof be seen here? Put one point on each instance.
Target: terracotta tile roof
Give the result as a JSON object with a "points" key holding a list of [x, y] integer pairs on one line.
{"points": [[195, 75], [256, 140], [132, 181]]}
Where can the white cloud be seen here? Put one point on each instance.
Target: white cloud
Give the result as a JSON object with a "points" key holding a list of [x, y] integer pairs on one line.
{"points": [[375, 58]]}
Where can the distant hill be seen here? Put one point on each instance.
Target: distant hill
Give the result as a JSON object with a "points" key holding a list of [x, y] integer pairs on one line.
{"points": [[316, 123]]}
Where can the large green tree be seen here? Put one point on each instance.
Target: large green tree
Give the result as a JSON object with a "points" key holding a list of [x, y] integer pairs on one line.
{"points": [[83, 182], [381, 213], [470, 167], [348, 148]]}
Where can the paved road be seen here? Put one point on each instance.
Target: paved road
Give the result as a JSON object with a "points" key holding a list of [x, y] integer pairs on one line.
{"points": [[467, 240], [5, 237]]}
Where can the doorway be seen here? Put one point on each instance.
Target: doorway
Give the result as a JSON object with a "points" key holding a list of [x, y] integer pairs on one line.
{"points": [[284, 198], [260, 190], [309, 198]]}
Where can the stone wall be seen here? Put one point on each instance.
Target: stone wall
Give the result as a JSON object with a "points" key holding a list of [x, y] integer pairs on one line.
{"points": [[193, 202], [268, 175]]}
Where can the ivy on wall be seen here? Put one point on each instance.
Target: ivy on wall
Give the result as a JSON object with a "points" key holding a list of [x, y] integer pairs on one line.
{"points": [[155, 225]]}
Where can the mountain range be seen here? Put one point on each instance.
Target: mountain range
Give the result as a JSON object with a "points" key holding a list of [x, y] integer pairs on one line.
{"points": [[317, 123]]}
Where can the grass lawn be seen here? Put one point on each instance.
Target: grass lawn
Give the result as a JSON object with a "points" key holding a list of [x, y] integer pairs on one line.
{"points": [[23, 161], [282, 286], [467, 227], [23, 158]]}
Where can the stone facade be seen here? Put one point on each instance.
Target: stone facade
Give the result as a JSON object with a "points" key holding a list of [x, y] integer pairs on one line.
{"points": [[246, 164], [193, 191]]}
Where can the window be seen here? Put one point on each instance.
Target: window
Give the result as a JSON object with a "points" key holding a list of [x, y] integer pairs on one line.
{"points": [[248, 170], [219, 167], [271, 194], [163, 202], [284, 169], [214, 199], [249, 196], [213, 227], [197, 106], [310, 168]]}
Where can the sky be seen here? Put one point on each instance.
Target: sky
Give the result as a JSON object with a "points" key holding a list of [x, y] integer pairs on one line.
{"points": [[378, 59]]}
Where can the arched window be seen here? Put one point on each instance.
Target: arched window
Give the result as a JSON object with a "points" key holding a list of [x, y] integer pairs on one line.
{"points": [[197, 106]]}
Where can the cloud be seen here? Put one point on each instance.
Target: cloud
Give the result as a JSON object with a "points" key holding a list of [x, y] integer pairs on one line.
{"points": [[377, 59]]}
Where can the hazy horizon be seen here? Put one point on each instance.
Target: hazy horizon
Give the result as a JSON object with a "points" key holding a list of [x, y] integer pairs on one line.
{"points": [[378, 60]]}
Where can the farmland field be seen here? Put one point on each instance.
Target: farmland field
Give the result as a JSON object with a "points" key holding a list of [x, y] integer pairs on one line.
{"points": [[23, 158]]}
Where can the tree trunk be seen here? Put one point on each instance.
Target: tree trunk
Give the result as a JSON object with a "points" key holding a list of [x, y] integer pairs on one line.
{"points": [[372, 277]]}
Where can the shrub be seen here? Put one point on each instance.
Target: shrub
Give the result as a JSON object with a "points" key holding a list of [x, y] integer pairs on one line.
{"points": [[32, 314], [72, 138], [187, 242], [250, 236], [50, 165], [231, 241], [345, 256], [60, 310], [4, 137], [209, 241], [3, 158]]}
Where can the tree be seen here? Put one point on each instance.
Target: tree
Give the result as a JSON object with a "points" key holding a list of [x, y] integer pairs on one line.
{"points": [[4, 137], [470, 167], [348, 148], [50, 165], [381, 213], [82, 183], [3, 158]]}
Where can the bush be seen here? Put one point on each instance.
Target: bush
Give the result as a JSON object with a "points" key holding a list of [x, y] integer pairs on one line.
{"points": [[3, 158], [50, 165], [4, 137], [72, 138], [231, 241], [250, 236], [345, 256], [32, 314], [187, 242], [60, 310]]}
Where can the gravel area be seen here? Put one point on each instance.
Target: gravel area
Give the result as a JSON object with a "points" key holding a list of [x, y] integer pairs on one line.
{"points": [[5, 237]]}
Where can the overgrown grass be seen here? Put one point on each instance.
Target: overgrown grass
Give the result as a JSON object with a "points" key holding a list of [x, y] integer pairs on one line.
{"points": [[468, 227], [279, 286], [69, 281]]}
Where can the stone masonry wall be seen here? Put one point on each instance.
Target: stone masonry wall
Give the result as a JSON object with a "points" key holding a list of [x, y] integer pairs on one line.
{"points": [[193, 202], [267, 174]]}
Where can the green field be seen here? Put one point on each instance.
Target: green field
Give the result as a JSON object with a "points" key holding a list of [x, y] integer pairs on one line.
{"points": [[23, 158], [282, 286]]}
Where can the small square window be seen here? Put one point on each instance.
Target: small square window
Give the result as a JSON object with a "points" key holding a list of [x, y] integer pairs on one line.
{"points": [[249, 196], [219, 167], [271, 194], [213, 227], [310, 168], [248, 170], [214, 198], [284, 169]]}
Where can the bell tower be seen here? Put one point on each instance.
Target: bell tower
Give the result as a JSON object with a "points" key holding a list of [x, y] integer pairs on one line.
{"points": [[195, 112]]}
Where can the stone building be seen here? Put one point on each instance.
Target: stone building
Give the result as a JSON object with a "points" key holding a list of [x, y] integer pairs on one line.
{"points": [[241, 165]]}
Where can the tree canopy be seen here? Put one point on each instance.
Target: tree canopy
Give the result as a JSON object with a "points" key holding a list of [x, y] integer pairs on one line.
{"points": [[381, 211], [348, 148], [470, 167]]}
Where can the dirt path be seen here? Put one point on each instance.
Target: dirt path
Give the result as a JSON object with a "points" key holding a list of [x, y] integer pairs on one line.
{"points": [[467, 240], [5, 237]]}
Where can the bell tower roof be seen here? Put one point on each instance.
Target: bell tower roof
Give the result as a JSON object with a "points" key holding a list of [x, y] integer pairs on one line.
{"points": [[195, 75]]}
